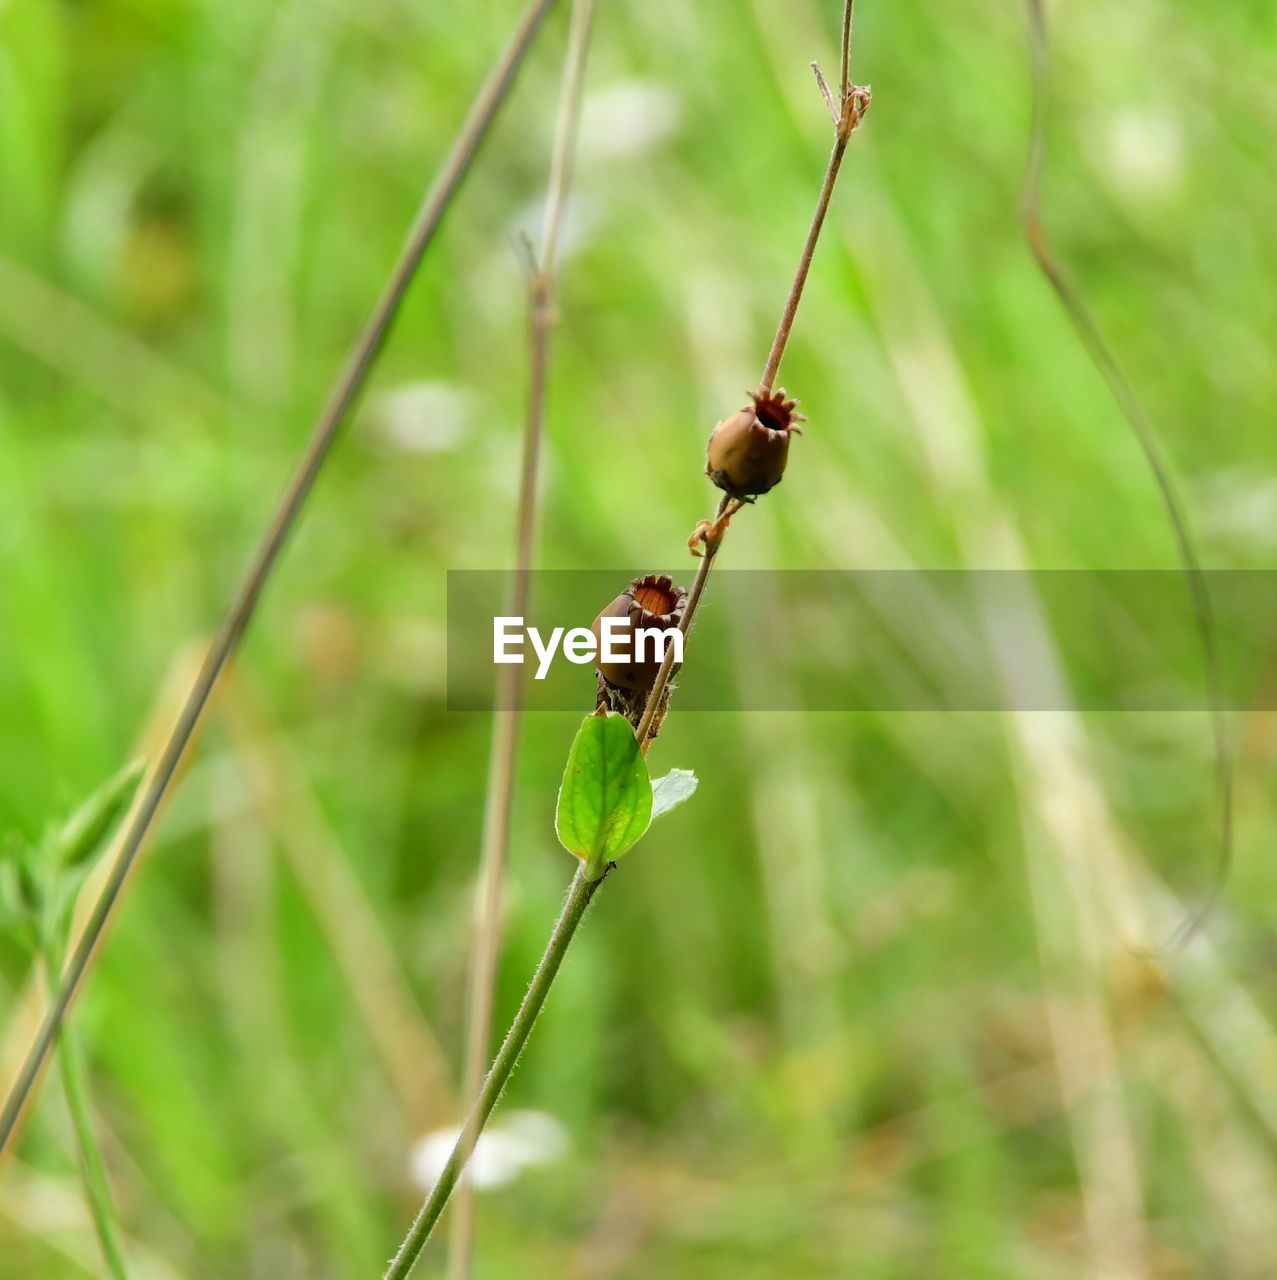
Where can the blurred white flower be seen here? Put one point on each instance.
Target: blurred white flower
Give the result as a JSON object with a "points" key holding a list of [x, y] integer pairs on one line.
{"points": [[627, 118], [621, 120], [1240, 506], [1144, 151], [579, 220], [421, 417], [516, 1141]]}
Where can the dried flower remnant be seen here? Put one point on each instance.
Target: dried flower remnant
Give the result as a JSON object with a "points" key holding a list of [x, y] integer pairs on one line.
{"points": [[653, 602], [747, 453]]}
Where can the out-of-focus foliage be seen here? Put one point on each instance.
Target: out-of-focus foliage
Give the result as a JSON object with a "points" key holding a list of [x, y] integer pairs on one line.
{"points": [[869, 1006]]}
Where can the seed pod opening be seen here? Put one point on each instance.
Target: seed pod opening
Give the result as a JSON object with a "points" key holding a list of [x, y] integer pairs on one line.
{"points": [[747, 452], [652, 602]]}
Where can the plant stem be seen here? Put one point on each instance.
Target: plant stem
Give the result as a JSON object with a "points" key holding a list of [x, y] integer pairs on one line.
{"points": [[574, 908], [97, 1191], [844, 80], [644, 730], [482, 970], [852, 108], [1093, 342], [854, 103], [243, 603], [781, 339]]}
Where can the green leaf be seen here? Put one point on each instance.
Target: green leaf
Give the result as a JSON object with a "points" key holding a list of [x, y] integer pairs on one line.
{"points": [[21, 892], [85, 832], [605, 802], [15, 876], [18, 920], [671, 790]]}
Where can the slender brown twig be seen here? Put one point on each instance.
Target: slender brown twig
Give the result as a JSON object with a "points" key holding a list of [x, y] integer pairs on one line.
{"points": [[845, 81], [851, 111], [239, 612], [645, 724], [502, 764], [1102, 356], [852, 107]]}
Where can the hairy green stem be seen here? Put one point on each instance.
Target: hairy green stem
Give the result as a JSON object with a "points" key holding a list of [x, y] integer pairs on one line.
{"points": [[578, 899]]}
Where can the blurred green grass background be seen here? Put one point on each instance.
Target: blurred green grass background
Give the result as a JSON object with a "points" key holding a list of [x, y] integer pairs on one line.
{"points": [[870, 1006]]}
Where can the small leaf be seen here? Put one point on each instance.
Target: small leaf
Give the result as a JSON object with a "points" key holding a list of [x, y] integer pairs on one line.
{"points": [[18, 919], [22, 891], [671, 790], [605, 802], [85, 832], [32, 878], [17, 887], [12, 847]]}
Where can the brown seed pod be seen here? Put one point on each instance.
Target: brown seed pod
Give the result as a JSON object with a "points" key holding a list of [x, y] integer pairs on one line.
{"points": [[747, 452], [647, 602]]}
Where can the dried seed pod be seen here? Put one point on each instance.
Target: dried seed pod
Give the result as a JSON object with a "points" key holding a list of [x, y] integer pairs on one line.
{"points": [[747, 452], [650, 602]]}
